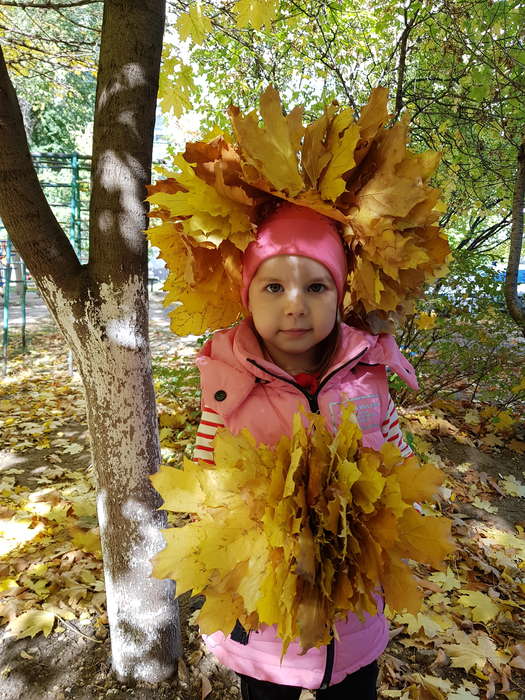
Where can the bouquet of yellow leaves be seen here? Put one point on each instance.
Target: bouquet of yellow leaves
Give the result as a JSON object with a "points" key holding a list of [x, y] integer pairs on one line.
{"points": [[300, 534]]}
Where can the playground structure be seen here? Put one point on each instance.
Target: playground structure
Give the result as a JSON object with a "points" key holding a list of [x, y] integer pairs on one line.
{"points": [[65, 179]]}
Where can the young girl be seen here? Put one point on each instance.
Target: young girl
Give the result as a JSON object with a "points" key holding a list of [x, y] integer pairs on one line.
{"points": [[293, 351]]}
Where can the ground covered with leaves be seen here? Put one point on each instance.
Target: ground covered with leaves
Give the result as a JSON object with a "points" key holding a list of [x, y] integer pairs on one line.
{"points": [[467, 642]]}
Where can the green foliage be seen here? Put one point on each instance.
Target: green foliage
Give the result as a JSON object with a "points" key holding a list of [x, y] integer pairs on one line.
{"points": [[57, 117], [466, 87], [456, 65], [473, 351], [52, 57]]}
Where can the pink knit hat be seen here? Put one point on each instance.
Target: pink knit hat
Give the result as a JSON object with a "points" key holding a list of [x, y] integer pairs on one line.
{"points": [[295, 230]]}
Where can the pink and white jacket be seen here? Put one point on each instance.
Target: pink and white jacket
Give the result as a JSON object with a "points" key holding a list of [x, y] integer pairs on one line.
{"points": [[242, 389]]}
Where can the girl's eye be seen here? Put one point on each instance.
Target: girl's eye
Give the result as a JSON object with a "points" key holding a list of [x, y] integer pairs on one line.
{"points": [[317, 287], [274, 287]]}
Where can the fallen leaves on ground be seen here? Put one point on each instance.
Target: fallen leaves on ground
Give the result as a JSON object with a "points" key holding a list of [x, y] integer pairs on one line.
{"points": [[475, 622], [50, 560]]}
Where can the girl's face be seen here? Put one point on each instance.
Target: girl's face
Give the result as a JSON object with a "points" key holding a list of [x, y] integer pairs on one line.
{"points": [[293, 301]]}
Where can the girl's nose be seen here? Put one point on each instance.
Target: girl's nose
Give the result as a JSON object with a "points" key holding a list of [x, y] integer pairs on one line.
{"points": [[295, 304]]}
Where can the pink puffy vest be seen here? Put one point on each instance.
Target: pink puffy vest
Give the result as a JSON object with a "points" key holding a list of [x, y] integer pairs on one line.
{"points": [[248, 391]]}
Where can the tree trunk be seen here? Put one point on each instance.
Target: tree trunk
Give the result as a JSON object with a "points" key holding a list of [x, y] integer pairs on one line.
{"points": [[102, 309], [515, 306], [110, 343]]}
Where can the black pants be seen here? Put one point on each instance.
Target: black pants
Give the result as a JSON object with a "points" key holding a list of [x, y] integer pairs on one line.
{"points": [[360, 685]]}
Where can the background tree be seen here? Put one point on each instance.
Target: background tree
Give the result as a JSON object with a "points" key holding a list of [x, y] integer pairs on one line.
{"points": [[102, 310], [52, 55]]}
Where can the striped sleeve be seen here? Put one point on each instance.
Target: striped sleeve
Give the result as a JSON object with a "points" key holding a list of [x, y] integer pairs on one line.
{"points": [[392, 431], [210, 421]]}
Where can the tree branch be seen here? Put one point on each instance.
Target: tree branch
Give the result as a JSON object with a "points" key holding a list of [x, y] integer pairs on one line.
{"points": [[25, 211], [127, 86], [401, 66], [515, 307], [77, 24]]}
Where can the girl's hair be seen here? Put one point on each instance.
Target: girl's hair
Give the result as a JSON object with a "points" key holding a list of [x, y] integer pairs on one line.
{"points": [[266, 209], [329, 348]]}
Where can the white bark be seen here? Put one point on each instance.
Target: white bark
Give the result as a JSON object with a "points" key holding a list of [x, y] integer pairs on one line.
{"points": [[110, 344]]}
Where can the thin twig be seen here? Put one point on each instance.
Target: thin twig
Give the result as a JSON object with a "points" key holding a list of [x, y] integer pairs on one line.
{"points": [[74, 628]]}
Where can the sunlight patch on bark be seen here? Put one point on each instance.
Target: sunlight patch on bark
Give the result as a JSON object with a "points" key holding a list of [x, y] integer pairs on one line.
{"points": [[137, 626], [131, 76]]}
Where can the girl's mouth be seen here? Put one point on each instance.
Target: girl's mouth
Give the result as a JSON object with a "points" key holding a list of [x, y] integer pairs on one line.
{"points": [[296, 331]]}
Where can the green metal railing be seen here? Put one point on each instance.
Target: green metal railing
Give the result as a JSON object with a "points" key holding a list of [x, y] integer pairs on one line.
{"points": [[65, 178]]}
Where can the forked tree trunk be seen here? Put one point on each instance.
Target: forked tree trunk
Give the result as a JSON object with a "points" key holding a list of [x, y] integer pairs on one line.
{"points": [[102, 309]]}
